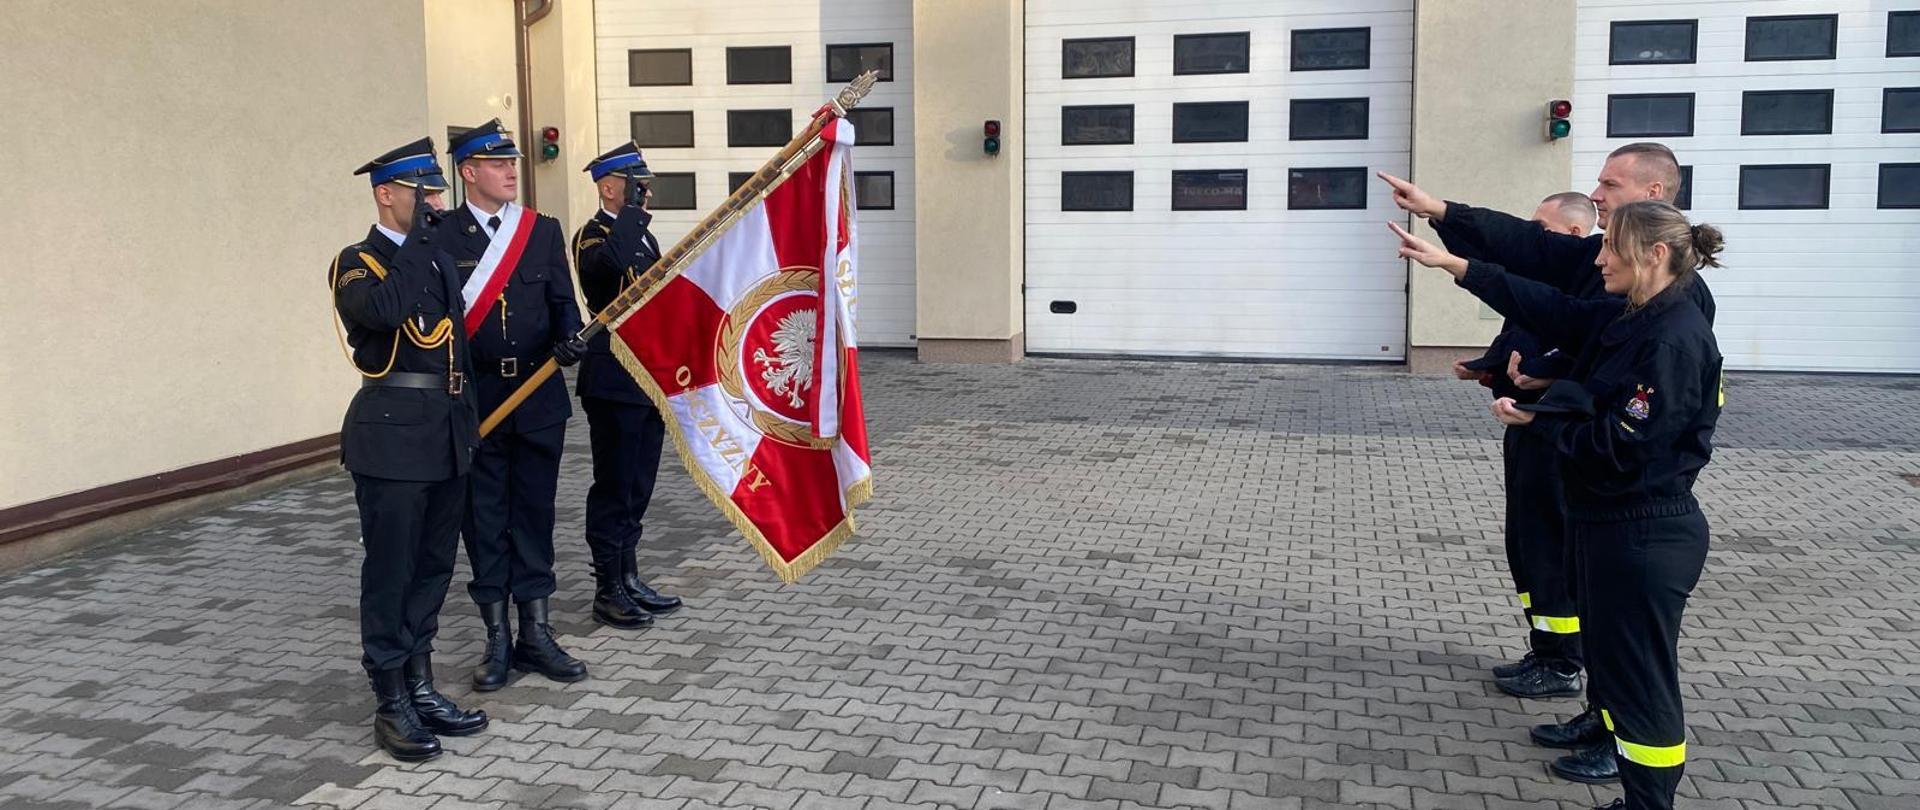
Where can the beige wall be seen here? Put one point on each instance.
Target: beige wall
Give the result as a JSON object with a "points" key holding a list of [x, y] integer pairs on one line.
{"points": [[179, 180], [564, 96], [470, 68], [1483, 72], [969, 229]]}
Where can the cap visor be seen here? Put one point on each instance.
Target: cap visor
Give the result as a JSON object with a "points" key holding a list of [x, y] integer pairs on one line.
{"points": [[430, 182]]}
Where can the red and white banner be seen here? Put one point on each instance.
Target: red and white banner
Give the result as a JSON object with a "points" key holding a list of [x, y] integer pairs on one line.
{"points": [[497, 264], [750, 354]]}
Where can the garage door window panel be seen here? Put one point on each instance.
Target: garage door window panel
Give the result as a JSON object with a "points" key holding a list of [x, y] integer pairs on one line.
{"points": [[1786, 112], [1650, 115], [1800, 186]]}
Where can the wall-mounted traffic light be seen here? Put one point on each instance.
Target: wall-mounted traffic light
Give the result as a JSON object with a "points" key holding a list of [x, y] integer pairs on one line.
{"points": [[549, 143], [992, 142], [1559, 115]]}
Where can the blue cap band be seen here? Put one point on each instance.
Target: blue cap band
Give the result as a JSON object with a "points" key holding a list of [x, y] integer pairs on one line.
{"points": [[476, 146], [614, 164], [405, 167]]}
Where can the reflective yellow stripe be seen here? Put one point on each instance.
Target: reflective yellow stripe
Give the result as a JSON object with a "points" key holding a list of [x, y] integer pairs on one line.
{"points": [[1557, 624], [1526, 601], [1652, 756], [1723, 389]]}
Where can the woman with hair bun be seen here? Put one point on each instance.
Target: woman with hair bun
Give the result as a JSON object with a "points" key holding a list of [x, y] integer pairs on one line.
{"points": [[1632, 426]]}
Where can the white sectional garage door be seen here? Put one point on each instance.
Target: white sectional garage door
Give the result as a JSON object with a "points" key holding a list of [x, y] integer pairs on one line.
{"points": [[1800, 125], [712, 91], [1199, 177]]}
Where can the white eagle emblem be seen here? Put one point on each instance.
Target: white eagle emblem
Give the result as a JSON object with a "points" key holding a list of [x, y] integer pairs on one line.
{"points": [[788, 371]]}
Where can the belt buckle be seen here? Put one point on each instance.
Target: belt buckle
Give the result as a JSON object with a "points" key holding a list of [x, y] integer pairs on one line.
{"points": [[456, 382], [509, 367]]}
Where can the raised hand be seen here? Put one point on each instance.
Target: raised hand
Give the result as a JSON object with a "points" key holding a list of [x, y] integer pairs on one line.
{"points": [[1413, 200], [1427, 253]]}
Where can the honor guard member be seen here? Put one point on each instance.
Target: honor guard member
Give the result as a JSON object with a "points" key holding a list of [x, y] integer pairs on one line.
{"points": [[408, 440], [1632, 425], [610, 252], [520, 311], [1517, 365]]}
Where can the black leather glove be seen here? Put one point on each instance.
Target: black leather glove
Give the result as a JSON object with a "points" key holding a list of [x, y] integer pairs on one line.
{"points": [[569, 351]]}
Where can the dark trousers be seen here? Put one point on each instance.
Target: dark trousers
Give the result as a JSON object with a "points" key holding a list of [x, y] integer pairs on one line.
{"points": [[509, 528], [411, 533], [1539, 551], [626, 459], [1637, 575]]}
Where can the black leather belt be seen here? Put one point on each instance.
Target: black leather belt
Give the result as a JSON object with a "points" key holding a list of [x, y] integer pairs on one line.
{"points": [[450, 383]]}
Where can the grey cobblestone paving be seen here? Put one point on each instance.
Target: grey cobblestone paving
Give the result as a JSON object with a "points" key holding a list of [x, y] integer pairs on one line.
{"points": [[1083, 584]]}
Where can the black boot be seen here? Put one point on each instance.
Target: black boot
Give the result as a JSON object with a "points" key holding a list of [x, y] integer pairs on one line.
{"points": [[538, 652], [646, 597], [1583, 731], [438, 712], [396, 728], [496, 664], [1594, 765], [611, 604], [1543, 681], [1526, 662]]}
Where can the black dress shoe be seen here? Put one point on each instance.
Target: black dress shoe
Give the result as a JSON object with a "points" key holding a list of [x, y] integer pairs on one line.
{"points": [[396, 728], [1594, 765], [1541, 682], [644, 595], [612, 605], [536, 651], [437, 711], [1583, 731], [1526, 662], [1616, 804], [496, 664]]}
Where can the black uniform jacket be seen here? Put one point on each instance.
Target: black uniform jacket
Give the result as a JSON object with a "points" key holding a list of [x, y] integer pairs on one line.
{"points": [[401, 308], [1633, 420], [518, 333], [1526, 249], [609, 254]]}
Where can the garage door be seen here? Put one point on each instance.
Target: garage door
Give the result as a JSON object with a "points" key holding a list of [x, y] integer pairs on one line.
{"points": [[1799, 124], [712, 92], [1198, 177]]}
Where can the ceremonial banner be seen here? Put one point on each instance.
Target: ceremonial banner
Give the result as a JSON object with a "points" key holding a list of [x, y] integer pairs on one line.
{"points": [[750, 354]]}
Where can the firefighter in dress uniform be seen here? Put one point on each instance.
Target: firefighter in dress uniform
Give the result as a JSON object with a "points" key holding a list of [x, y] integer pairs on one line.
{"points": [[408, 439], [513, 266], [611, 251]]}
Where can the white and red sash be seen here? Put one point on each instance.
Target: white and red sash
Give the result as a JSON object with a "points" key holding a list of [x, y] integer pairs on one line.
{"points": [[497, 264]]}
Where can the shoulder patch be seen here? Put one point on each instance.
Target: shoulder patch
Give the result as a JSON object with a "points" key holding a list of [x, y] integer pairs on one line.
{"points": [[349, 277], [1640, 408]]}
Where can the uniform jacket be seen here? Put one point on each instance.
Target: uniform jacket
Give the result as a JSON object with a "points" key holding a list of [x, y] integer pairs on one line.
{"points": [[609, 254], [1530, 251], [1633, 420], [519, 332], [401, 308]]}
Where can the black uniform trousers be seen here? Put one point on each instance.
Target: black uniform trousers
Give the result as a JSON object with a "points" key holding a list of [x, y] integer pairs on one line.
{"points": [[411, 532], [1539, 550], [509, 527], [626, 459], [1637, 569]]}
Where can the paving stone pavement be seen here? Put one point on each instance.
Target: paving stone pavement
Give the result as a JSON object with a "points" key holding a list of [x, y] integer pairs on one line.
{"points": [[1082, 584]]}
